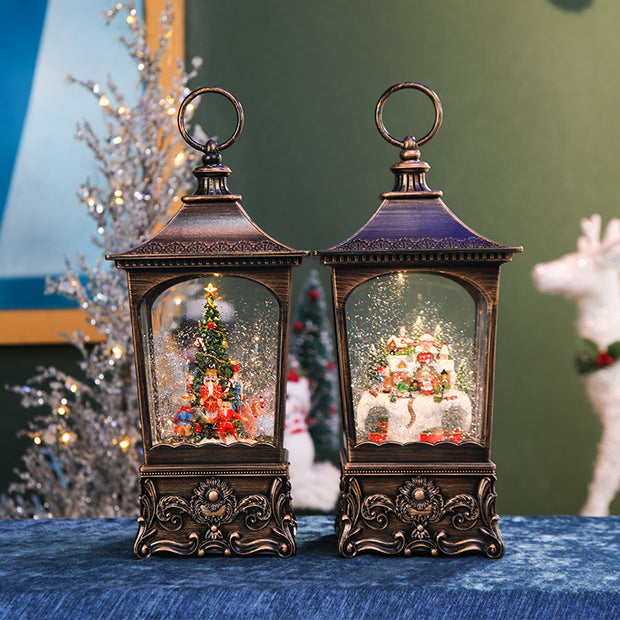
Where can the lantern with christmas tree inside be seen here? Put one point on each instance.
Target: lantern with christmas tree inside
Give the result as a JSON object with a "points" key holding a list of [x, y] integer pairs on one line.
{"points": [[415, 294], [209, 296]]}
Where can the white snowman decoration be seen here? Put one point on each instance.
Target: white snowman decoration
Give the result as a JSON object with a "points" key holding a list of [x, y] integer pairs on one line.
{"points": [[315, 486]]}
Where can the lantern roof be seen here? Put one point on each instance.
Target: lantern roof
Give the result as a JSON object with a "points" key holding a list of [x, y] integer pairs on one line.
{"points": [[413, 219], [211, 224]]}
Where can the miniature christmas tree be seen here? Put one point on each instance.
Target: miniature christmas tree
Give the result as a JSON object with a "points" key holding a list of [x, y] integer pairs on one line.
{"points": [[312, 347], [86, 442], [463, 376], [418, 329], [377, 364], [438, 334]]}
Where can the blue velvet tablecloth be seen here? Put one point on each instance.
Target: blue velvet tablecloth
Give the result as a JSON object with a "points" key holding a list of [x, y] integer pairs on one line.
{"points": [[554, 567]]}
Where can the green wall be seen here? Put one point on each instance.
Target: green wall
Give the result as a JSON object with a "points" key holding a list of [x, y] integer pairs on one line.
{"points": [[529, 145]]}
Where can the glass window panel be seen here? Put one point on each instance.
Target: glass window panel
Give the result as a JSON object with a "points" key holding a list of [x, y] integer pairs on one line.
{"points": [[212, 347], [415, 372]]}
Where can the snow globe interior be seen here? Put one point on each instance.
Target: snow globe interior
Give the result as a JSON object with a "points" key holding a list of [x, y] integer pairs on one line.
{"points": [[212, 347], [415, 372]]}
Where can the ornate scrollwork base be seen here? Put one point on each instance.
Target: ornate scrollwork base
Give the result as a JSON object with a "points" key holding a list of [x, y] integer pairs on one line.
{"points": [[215, 516], [423, 515]]}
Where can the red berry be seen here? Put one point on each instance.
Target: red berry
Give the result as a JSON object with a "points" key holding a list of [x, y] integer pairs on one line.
{"points": [[604, 359]]}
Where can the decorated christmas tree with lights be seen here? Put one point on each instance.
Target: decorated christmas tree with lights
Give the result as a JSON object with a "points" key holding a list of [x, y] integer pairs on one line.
{"points": [[216, 405], [211, 349], [85, 454]]}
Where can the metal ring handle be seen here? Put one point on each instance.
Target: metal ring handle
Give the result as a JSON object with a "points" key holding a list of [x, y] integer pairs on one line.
{"points": [[197, 93], [379, 113]]}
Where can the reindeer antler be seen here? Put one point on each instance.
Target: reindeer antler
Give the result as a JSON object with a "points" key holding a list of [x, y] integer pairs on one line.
{"points": [[612, 233], [591, 240], [607, 250]]}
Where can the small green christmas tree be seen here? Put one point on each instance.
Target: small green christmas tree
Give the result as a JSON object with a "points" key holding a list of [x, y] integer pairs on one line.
{"points": [[438, 334], [418, 329], [377, 359], [463, 377]]}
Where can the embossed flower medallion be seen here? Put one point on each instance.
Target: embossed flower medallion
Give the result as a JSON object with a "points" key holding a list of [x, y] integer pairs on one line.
{"points": [[213, 502], [418, 500]]}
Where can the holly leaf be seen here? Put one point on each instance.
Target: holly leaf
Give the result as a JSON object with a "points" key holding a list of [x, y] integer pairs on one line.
{"points": [[614, 349], [587, 353]]}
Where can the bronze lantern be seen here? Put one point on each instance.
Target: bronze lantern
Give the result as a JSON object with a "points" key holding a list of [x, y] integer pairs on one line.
{"points": [[209, 296], [415, 295]]}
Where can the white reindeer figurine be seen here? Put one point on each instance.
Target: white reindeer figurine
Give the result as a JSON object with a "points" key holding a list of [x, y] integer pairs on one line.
{"points": [[591, 277]]}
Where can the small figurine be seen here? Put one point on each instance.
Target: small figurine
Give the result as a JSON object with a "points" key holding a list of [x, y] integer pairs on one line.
{"points": [[211, 392], [183, 422], [235, 387], [189, 382], [225, 421]]}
